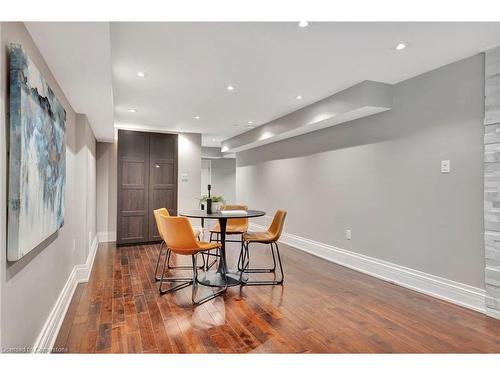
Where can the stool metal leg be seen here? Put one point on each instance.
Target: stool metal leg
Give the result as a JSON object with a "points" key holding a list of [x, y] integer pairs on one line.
{"points": [[240, 258], [264, 282], [209, 265], [281, 264], [184, 281], [260, 270], [170, 267], [244, 262], [195, 284], [157, 278]]}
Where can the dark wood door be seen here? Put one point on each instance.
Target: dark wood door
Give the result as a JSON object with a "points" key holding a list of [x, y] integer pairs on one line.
{"points": [[133, 181], [163, 177], [147, 180]]}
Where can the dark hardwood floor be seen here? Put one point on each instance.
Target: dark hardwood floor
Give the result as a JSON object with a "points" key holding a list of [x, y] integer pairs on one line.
{"points": [[321, 308]]}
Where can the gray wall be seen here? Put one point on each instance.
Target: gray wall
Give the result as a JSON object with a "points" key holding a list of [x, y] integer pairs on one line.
{"points": [[224, 178], [85, 230], [380, 177], [29, 287], [106, 190]]}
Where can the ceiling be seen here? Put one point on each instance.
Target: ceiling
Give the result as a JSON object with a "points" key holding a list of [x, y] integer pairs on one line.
{"points": [[78, 55], [188, 67]]}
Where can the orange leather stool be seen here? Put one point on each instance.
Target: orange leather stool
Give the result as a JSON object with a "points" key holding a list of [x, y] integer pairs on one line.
{"points": [[180, 239], [157, 213], [271, 237], [234, 226]]}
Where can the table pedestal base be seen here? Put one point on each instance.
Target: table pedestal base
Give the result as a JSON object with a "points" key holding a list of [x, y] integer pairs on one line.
{"points": [[214, 278]]}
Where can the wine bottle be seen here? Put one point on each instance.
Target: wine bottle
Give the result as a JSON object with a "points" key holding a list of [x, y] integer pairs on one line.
{"points": [[209, 205], [209, 200]]}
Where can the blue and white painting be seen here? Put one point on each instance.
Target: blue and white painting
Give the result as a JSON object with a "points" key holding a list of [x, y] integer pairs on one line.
{"points": [[37, 159]]}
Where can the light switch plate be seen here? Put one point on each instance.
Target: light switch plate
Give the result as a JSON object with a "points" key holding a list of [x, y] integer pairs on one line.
{"points": [[184, 177], [445, 166]]}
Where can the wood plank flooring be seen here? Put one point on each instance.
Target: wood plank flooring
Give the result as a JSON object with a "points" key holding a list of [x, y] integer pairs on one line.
{"points": [[321, 308]]}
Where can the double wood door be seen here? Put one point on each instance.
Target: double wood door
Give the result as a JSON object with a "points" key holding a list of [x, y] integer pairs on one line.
{"points": [[147, 180]]}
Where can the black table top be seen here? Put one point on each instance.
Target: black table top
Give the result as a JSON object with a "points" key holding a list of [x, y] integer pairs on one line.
{"points": [[202, 214]]}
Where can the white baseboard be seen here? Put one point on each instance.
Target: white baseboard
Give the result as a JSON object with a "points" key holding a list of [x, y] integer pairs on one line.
{"points": [[492, 313], [106, 236], [79, 274], [448, 290], [83, 270]]}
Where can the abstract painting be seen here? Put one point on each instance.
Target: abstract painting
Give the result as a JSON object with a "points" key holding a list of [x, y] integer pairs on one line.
{"points": [[37, 158]]}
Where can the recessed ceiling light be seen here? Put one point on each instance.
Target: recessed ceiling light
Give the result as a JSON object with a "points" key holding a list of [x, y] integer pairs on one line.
{"points": [[213, 139], [132, 110], [230, 88], [400, 46], [250, 122], [298, 97], [303, 24], [197, 117], [141, 74], [250, 126]]}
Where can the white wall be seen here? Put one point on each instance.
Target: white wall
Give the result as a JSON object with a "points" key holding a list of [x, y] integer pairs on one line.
{"points": [[30, 287], [190, 164], [380, 177], [206, 174], [224, 179]]}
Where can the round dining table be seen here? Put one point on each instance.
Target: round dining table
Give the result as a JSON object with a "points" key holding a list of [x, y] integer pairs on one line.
{"points": [[216, 278]]}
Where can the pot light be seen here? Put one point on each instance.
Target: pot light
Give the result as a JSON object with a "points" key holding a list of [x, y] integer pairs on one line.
{"points": [[141, 74], [197, 117], [132, 110], [250, 126], [230, 88], [400, 46], [250, 122], [303, 24], [298, 97]]}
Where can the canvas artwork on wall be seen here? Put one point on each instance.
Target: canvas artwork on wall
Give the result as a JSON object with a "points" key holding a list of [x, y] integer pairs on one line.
{"points": [[37, 158]]}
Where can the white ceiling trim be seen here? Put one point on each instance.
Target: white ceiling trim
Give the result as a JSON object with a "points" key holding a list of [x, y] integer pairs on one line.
{"points": [[361, 100]]}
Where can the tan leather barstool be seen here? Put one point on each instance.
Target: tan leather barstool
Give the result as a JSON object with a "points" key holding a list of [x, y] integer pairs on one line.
{"points": [[234, 226], [237, 226], [157, 213], [271, 237], [181, 239]]}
